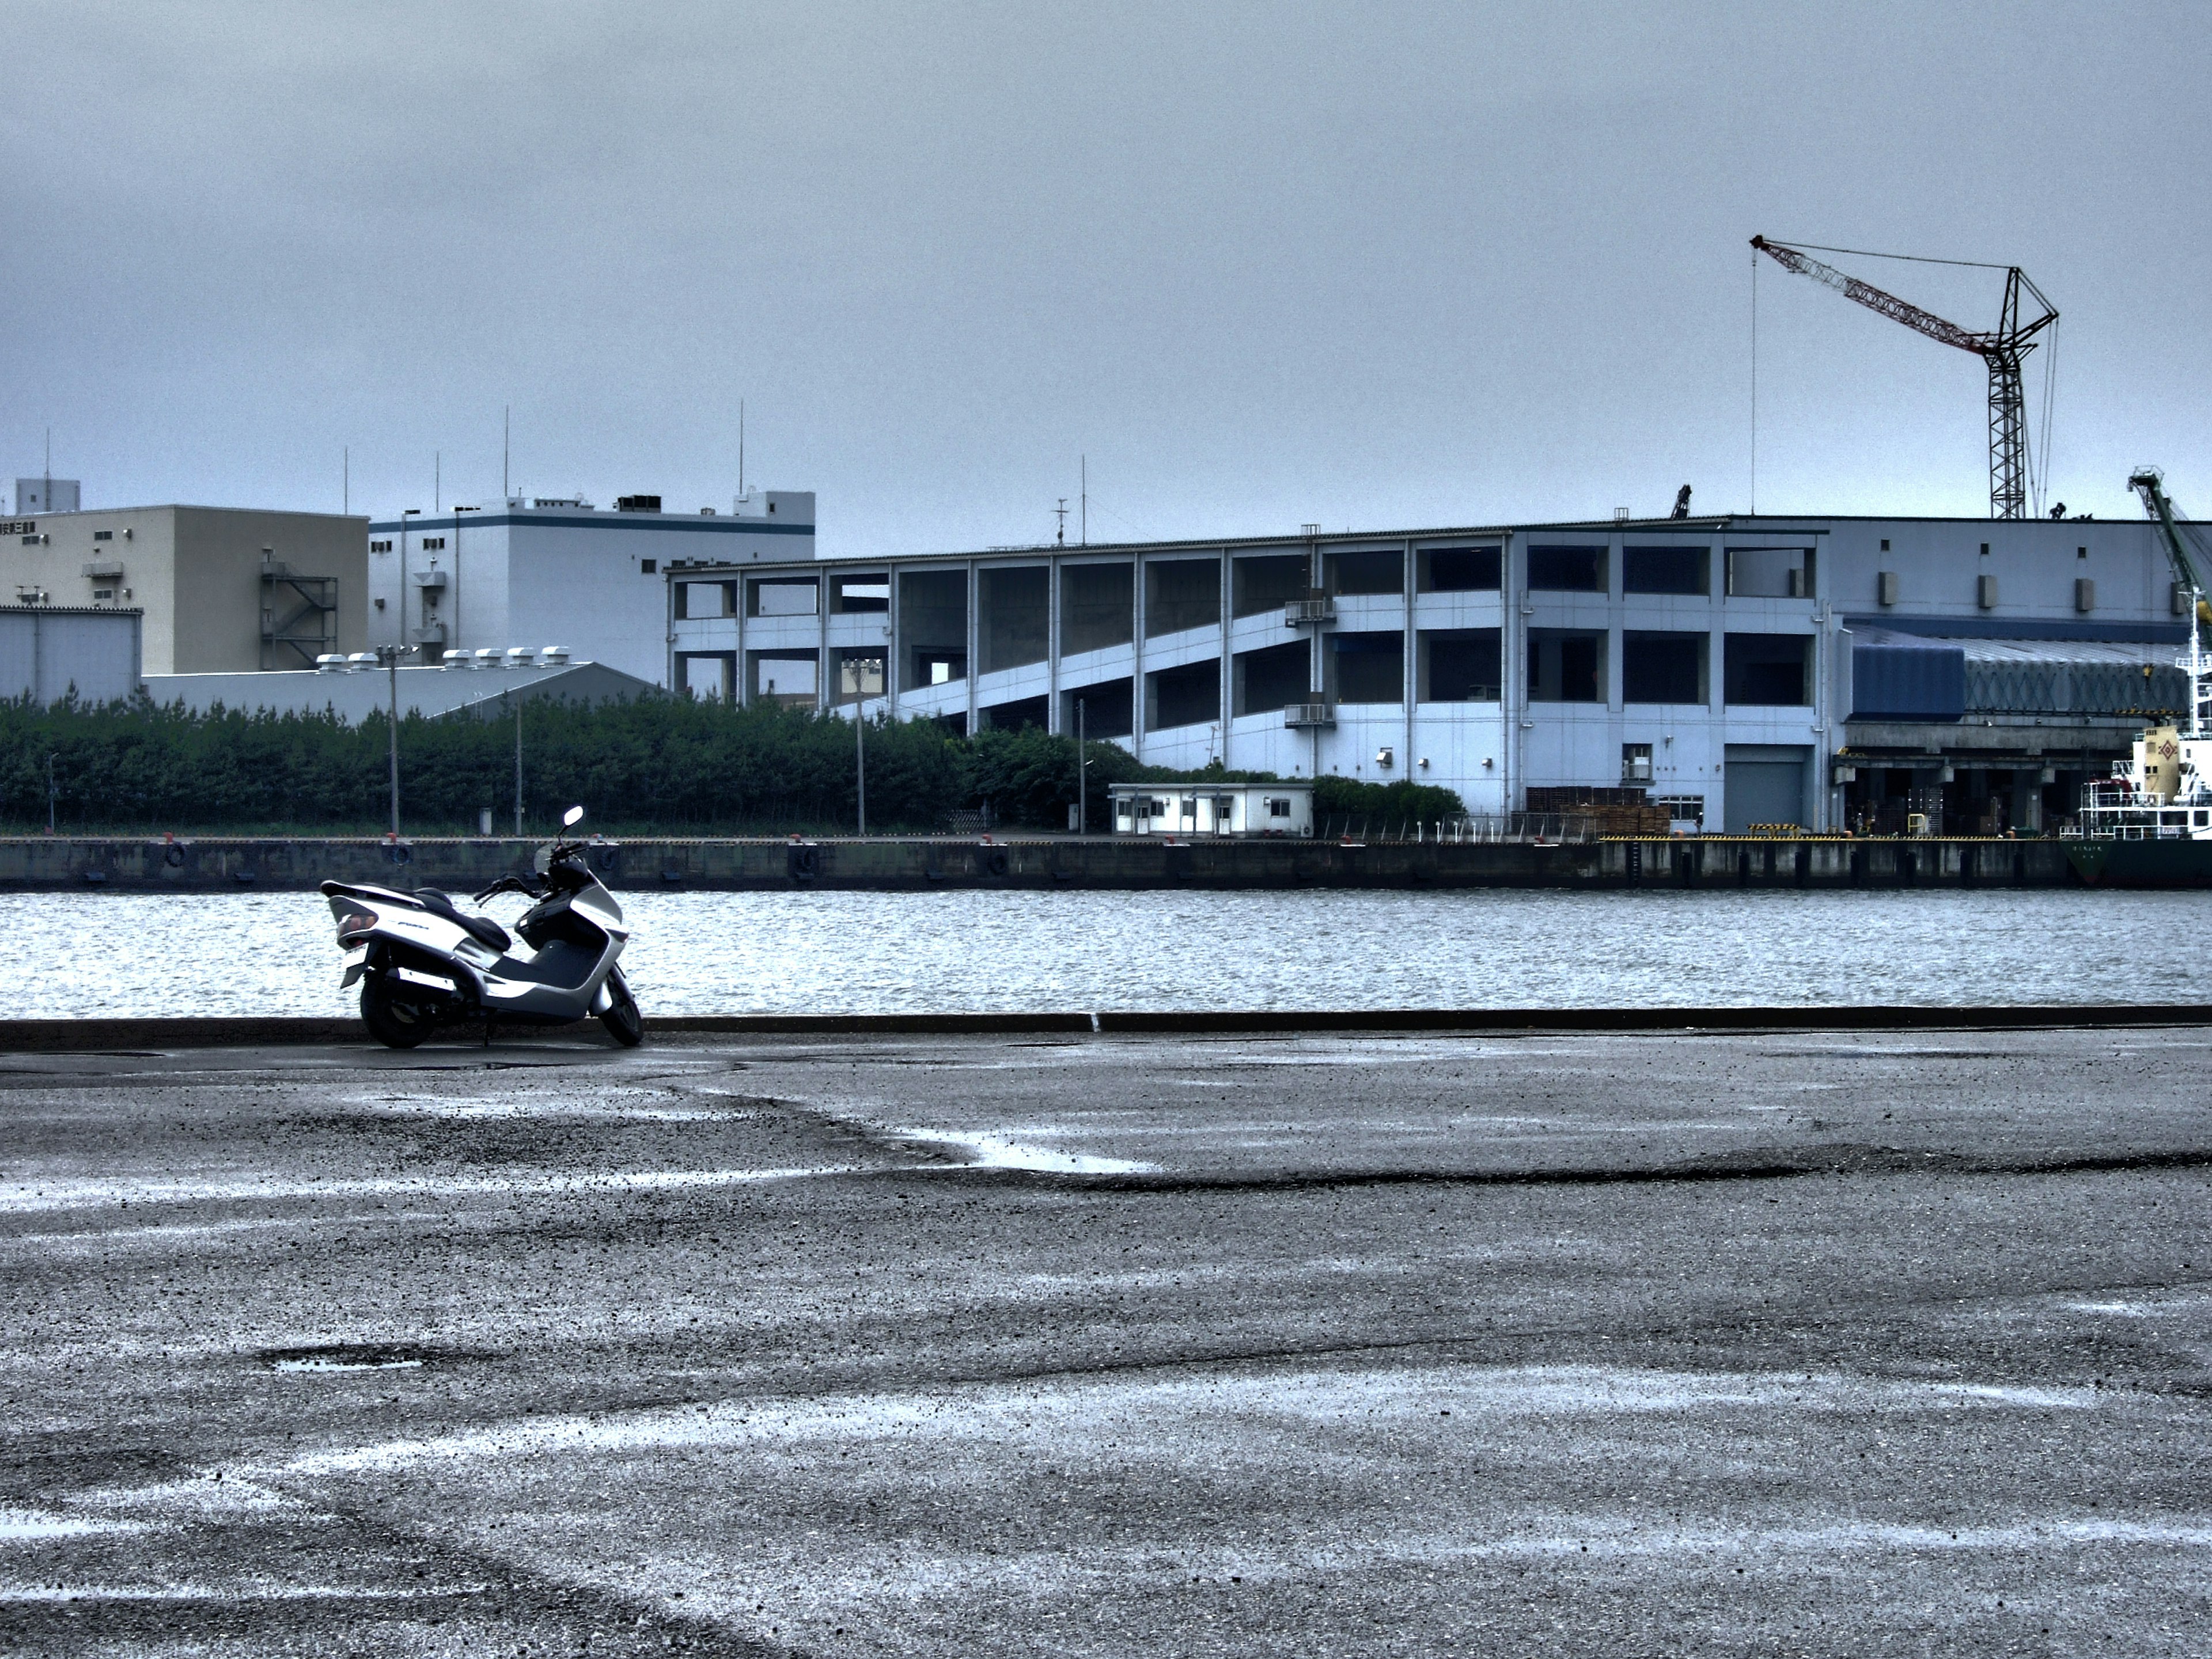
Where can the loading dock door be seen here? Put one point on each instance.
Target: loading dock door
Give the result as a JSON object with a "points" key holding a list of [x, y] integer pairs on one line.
{"points": [[1764, 790]]}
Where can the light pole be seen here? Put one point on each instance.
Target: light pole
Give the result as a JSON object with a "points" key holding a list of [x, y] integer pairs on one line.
{"points": [[1082, 776], [518, 768], [389, 656], [861, 760]]}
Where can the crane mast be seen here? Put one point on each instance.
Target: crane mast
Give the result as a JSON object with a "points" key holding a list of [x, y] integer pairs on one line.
{"points": [[2003, 348]]}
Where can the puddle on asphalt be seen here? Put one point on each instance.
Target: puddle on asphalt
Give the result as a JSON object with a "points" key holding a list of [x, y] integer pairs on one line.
{"points": [[333, 1358], [26, 1526], [995, 1152]]}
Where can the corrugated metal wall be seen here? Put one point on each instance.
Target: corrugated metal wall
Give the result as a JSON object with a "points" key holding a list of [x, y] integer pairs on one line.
{"points": [[45, 652]]}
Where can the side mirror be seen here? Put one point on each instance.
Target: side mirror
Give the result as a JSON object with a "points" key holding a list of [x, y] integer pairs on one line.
{"points": [[573, 817]]}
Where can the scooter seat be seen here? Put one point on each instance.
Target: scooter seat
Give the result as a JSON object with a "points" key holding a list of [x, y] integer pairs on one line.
{"points": [[483, 929]]}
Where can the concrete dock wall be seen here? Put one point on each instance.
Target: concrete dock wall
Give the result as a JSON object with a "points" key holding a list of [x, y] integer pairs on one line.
{"points": [[207, 864]]}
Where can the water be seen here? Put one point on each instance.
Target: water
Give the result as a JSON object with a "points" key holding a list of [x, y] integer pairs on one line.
{"points": [[81, 955]]}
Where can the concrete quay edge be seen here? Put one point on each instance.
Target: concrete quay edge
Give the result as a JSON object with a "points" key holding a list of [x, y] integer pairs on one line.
{"points": [[112, 1034], [278, 864]]}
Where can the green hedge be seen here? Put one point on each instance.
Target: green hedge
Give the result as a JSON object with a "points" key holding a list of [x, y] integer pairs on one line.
{"points": [[661, 764]]}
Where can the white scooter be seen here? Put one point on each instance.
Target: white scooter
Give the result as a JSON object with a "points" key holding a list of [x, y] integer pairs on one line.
{"points": [[422, 962]]}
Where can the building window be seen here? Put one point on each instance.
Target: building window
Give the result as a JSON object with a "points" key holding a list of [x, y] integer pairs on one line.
{"points": [[1567, 570], [1461, 664], [434, 543], [1658, 668], [1278, 807], [1665, 570], [645, 567], [1566, 666], [1353, 573], [379, 547], [1775, 669], [103, 535], [1367, 667], [1460, 570]]}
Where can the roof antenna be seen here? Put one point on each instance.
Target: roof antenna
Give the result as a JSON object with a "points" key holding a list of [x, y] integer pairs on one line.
{"points": [[1061, 539], [741, 448], [506, 447]]}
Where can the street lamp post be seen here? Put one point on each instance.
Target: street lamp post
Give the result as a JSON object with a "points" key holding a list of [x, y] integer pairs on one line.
{"points": [[1082, 776], [860, 760], [389, 656]]}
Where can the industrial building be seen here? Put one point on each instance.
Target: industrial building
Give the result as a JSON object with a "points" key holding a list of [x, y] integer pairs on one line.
{"points": [[533, 569], [48, 651], [1824, 672], [356, 686], [220, 590]]}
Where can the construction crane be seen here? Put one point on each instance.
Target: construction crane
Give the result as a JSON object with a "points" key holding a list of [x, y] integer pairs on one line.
{"points": [[2002, 349], [2149, 484]]}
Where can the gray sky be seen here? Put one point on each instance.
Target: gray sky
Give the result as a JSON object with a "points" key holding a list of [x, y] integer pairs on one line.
{"points": [[1378, 265]]}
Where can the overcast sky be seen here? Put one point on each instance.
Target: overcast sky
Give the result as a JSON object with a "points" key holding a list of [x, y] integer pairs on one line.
{"points": [[1376, 265]]}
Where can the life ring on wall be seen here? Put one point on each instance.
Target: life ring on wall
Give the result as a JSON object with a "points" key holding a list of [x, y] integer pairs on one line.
{"points": [[995, 862], [173, 856], [400, 855], [803, 863]]}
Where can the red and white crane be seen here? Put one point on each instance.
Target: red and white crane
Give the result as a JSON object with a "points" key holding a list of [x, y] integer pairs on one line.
{"points": [[2003, 348]]}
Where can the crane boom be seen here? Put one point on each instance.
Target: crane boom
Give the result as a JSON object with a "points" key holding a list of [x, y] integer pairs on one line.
{"points": [[2149, 484], [2002, 349]]}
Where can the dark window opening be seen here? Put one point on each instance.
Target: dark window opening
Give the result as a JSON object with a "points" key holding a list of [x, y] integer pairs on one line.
{"points": [[1383, 571], [1189, 696], [1269, 582], [1098, 606], [1664, 569], [1567, 570], [1025, 711], [1016, 618], [1272, 678], [1663, 667], [1108, 710], [1461, 666], [1181, 594], [1770, 668], [1461, 570], [1369, 667], [1566, 665], [932, 628]]}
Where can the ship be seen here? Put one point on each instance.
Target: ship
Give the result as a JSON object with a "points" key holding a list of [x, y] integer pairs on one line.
{"points": [[2149, 824]]}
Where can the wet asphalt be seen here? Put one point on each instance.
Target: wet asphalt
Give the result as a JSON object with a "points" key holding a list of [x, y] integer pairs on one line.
{"points": [[1606, 1344]]}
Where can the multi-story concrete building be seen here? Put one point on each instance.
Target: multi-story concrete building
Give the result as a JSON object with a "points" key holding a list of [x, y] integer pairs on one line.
{"points": [[1820, 672], [223, 589], [533, 571]]}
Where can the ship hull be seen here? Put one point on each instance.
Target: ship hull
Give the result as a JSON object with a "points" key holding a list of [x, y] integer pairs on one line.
{"points": [[2141, 863]]}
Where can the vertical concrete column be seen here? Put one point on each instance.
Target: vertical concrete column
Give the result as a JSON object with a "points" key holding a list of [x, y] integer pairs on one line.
{"points": [[1409, 662], [1513, 696], [1053, 722], [975, 644], [894, 650], [1137, 724], [1228, 678], [1616, 597]]}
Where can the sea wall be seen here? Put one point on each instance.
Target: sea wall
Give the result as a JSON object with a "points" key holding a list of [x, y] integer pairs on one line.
{"points": [[208, 864]]}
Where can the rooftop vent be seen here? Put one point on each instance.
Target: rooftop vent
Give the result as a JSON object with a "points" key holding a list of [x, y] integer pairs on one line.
{"points": [[553, 656], [330, 662]]}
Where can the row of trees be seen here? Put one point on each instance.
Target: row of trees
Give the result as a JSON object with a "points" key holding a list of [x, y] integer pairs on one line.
{"points": [[659, 765]]}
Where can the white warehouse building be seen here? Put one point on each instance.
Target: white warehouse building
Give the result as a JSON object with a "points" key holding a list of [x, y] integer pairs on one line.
{"points": [[534, 571], [1828, 672]]}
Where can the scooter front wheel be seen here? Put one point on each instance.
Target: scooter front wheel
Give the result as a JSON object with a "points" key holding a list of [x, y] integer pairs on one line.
{"points": [[396, 1022], [623, 1022]]}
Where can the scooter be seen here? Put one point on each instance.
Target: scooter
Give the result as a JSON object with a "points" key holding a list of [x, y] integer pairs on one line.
{"points": [[422, 962]]}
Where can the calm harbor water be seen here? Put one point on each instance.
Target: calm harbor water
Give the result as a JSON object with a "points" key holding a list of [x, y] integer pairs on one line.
{"points": [[83, 955]]}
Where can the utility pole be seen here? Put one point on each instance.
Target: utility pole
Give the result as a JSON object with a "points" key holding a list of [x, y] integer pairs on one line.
{"points": [[518, 768], [861, 760], [50, 792], [506, 447], [1083, 523], [1082, 775], [345, 463], [389, 654]]}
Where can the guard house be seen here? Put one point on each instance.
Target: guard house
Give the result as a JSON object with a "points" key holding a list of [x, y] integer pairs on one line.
{"points": [[1213, 809]]}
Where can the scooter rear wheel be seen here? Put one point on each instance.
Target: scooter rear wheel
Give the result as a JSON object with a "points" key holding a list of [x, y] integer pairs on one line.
{"points": [[623, 1022], [396, 1022]]}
